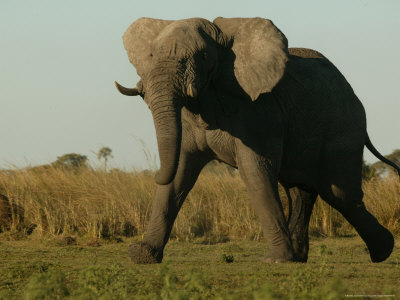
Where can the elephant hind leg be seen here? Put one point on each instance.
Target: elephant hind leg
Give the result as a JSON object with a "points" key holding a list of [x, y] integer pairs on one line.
{"points": [[302, 205], [341, 188], [378, 239]]}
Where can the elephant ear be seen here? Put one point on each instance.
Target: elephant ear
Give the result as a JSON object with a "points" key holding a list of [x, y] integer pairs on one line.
{"points": [[260, 50], [138, 39]]}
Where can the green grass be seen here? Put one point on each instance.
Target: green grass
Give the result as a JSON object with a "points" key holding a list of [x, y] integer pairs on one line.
{"points": [[41, 269]]}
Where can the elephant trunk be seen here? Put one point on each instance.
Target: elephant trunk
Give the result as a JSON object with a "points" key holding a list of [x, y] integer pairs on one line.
{"points": [[166, 110]]}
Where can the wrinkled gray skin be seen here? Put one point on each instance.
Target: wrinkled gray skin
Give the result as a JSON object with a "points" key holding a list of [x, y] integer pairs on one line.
{"points": [[231, 90]]}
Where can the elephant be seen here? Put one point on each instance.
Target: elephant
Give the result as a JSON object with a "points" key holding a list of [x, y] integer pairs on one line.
{"points": [[231, 90]]}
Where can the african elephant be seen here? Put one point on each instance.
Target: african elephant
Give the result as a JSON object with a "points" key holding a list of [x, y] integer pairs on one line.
{"points": [[231, 90]]}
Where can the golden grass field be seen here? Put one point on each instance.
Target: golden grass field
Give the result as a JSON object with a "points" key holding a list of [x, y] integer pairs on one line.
{"points": [[49, 201]]}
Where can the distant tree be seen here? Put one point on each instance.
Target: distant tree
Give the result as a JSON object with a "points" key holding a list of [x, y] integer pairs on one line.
{"points": [[104, 153], [367, 171], [70, 161], [381, 168]]}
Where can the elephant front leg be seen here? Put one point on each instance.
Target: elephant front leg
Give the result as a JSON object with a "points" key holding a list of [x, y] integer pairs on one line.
{"points": [[168, 201], [260, 179], [299, 219], [164, 211]]}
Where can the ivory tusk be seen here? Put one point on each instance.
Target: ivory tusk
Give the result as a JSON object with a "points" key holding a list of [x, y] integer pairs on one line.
{"points": [[126, 91], [191, 91]]}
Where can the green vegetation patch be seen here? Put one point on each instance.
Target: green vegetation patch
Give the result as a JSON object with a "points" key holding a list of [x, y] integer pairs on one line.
{"points": [[231, 270]]}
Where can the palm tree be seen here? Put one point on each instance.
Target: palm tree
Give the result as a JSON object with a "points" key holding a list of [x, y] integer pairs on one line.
{"points": [[104, 153]]}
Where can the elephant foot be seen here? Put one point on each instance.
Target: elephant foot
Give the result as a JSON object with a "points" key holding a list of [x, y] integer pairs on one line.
{"points": [[382, 245], [300, 248], [141, 253], [300, 257], [276, 257], [272, 260]]}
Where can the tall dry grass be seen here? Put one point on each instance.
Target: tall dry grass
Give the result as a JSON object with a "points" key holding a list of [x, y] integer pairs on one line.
{"points": [[52, 201]]}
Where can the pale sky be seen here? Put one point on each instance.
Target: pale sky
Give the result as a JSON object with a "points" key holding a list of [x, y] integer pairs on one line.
{"points": [[59, 60]]}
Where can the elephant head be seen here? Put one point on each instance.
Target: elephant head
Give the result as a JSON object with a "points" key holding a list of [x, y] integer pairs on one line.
{"points": [[177, 60]]}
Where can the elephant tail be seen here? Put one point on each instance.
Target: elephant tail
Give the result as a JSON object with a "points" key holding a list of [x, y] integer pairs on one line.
{"points": [[375, 152]]}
